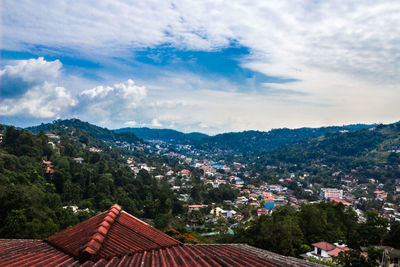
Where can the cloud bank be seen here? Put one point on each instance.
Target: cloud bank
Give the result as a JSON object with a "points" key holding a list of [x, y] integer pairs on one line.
{"points": [[342, 58], [29, 88]]}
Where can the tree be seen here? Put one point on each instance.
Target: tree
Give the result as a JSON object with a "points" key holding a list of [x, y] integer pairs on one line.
{"points": [[373, 230]]}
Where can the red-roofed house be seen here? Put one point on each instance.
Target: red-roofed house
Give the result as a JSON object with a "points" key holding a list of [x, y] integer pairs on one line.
{"points": [[184, 172], [326, 250], [322, 249], [116, 238]]}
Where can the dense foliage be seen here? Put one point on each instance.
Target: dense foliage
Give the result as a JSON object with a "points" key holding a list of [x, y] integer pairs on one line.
{"points": [[253, 142], [93, 130], [290, 232], [32, 200], [163, 134]]}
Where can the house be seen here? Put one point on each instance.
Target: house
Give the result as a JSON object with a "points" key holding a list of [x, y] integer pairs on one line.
{"points": [[331, 192], [391, 257], [48, 167], [159, 177], [95, 150], [79, 160], [322, 249], [262, 211], [326, 250], [184, 173], [195, 207]]}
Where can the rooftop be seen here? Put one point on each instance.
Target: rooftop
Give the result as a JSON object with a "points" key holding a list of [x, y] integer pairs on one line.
{"points": [[116, 238]]}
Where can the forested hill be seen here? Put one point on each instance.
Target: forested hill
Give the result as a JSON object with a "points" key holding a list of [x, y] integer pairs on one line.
{"points": [[95, 131], [366, 153], [258, 141], [247, 142], [39, 178], [167, 135]]}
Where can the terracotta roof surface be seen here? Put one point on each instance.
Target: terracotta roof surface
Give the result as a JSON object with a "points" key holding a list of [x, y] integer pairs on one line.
{"points": [[335, 252], [189, 255], [324, 245], [116, 238], [26, 252], [111, 233]]}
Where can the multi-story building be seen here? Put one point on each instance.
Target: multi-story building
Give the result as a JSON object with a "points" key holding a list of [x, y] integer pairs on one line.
{"points": [[331, 192]]}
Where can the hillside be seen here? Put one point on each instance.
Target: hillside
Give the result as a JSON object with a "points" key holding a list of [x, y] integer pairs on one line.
{"points": [[39, 176], [95, 131], [363, 154], [249, 142], [167, 135]]}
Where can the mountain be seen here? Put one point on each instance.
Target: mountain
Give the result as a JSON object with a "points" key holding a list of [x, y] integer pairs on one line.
{"points": [[96, 131], [258, 141], [167, 135]]}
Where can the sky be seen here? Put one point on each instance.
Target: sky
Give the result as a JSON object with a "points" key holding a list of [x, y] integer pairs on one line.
{"points": [[206, 66]]}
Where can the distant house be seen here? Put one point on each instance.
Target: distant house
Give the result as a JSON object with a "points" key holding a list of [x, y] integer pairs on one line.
{"points": [[338, 200], [48, 167], [331, 192], [79, 160], [195, 207], [95, 150], [326, 250], [184, 173], [262, 211], [391, 257]]}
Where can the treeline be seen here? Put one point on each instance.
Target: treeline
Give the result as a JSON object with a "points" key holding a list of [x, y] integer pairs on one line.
{"points": [[291, 232], [92, 130], [253, 142], [32, 200]]}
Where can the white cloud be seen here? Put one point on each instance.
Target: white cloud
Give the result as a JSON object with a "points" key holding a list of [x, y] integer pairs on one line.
{"points": [[29, 88], [130, 123], [155, 123], [108, 104], [343, 54]]}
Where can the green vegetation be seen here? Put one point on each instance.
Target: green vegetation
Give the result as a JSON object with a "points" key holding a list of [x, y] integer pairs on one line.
{"points": [[163, 134], [32, 199], [289, 232]]}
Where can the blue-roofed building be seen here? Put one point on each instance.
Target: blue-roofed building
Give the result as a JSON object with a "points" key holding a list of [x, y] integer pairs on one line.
{"points": [[269, 205]]}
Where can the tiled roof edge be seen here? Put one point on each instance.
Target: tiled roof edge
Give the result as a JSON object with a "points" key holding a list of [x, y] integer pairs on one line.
{"points": [[279, 260], [93, 246]]}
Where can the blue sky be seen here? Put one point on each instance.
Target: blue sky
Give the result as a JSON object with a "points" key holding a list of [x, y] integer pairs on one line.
{"points": [[208, 66]]}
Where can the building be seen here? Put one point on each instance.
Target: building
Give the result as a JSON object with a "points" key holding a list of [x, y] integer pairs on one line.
{"points": [[331, 192], [391, 257], [325, 250], [116, 238]]}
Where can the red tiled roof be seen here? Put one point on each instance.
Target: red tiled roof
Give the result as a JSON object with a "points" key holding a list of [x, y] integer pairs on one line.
{"points": [[338, 200], [324, 245], [111, 233], [336, 251], [189, 255], [116, 238], [26, 252]]}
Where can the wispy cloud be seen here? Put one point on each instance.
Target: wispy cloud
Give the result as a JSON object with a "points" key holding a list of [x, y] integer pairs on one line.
{"points": [[339, 60]]}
